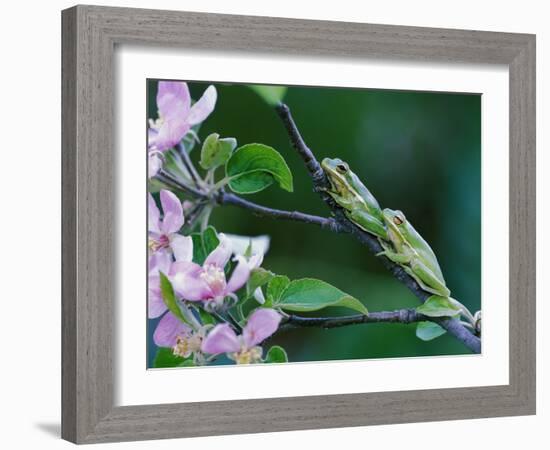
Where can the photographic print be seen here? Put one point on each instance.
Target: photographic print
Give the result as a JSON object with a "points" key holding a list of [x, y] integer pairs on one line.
{"points": [[292, 224]]}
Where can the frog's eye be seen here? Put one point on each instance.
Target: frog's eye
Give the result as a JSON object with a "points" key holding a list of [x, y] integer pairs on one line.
{"points": [[398, 220], [342, 168]]}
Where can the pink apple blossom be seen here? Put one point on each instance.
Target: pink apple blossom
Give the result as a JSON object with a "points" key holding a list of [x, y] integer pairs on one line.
{"points": [[163, 233], [188, 344], [164, 241], [169, 330], [208, 282], [243, 349], [176, 117], [258, 246]]}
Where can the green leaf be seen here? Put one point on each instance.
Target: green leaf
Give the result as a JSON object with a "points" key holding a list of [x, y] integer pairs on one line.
{"points": [[309, 294], [272, 95], [428, 331], [204, 243], [165, 358], [206, 318], [276, 354], [251, 183], [258, 277], [215, 151], [254, 167], [170, 299], [437, 306], [198, 248], [275, 288], [210, 240]]}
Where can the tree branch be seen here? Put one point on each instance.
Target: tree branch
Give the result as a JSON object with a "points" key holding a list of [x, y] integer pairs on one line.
{"points": [[188, 164], [320, 183], [224, 198], [174, 183], [404, 316]]}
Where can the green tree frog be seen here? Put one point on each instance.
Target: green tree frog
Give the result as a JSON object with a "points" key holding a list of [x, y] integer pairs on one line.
{"points": [[351, 194], [413, 253]]}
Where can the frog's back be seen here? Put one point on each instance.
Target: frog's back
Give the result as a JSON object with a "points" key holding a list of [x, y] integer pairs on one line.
{"points": [[367, 198], [425, 252]]}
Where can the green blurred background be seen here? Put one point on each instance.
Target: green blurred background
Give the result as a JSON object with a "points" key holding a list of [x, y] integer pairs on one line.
{"points": [[416, 151]]}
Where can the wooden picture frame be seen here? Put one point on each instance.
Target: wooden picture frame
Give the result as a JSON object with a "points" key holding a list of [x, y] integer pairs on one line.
{"points": [[90, 34]]}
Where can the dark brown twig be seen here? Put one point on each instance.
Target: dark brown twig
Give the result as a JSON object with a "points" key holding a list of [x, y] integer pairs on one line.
{"points": [[404, 316], [224, 198]]}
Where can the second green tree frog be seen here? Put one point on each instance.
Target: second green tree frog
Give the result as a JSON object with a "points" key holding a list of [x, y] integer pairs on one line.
{"points": [[359, 204], [413, 253]]}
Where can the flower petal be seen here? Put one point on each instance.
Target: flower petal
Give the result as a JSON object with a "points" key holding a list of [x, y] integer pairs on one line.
{"points": [[255, 261], [153, 220], [262, 323], [170, 133], [187, 281], [173, 99], [240, 275], [222, 339], [161, 261], [221, 254], [260, 244], [155, 304], [154, 164], [182, 246], [204, 106], [168, 329], [174, 103], [173, 212], [152, 139], [259, 296]]}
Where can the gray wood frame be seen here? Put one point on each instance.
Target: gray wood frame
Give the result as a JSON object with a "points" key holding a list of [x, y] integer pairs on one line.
{"points": [[90, 34]]}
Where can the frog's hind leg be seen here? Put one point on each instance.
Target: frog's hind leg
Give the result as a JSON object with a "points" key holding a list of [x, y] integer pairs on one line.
{"points": [[426, 279]]}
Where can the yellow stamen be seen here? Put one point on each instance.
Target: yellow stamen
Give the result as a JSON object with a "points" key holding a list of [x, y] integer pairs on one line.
{"points": [[248, 356]]}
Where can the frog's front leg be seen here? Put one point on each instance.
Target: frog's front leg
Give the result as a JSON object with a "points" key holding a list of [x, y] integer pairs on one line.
{"points": [[392, 255], [342, 201], [368, 222], [426, 278]]}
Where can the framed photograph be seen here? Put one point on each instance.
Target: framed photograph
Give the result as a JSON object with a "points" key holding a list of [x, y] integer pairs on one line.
{"points": [[278, 224]]}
